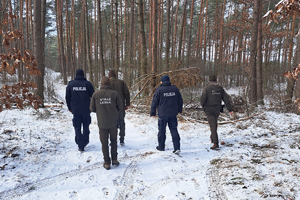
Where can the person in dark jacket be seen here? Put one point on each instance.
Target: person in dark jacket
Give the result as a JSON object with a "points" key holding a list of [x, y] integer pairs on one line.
{"points": [[121, 87], [106, 103], [78, 96], [167, 99], [211, 99]]}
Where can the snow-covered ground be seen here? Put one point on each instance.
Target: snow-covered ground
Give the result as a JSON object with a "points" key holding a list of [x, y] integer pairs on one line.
{"points": [[39, 159]]}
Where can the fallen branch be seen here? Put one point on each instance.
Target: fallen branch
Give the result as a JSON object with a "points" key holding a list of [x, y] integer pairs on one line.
{"points": [[226, 122]]}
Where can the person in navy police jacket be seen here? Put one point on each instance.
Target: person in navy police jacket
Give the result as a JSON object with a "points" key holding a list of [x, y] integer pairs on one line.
{"points": [[167, 99], [78, 96]]}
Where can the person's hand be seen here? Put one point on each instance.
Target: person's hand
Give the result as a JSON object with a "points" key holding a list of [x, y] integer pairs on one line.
{"points": [[153, 116], [127, 107]]}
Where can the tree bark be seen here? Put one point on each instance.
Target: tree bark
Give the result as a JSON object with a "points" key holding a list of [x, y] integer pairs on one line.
{"points": [[101, 59], [253, 53], [38, 46], [143, 42], [180, 39], [260, 96], [87, 43], [291, 83], [175, 31], [190, 35], [167, 65], [117, 56], [61, 41], [154, 44]]}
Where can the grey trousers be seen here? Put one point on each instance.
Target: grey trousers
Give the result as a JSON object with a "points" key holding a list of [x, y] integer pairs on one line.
{"points": [[213, 123], [111, 134]]}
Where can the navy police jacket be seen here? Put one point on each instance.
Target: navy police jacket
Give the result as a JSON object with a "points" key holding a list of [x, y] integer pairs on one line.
{"points": [[168, 100], [78, 95]]}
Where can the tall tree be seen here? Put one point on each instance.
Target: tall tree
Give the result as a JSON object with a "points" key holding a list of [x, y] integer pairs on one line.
{"points": [[259, 70], [38, 46], [154, 8], [117, 55], [168, 27], [253, 53], [87, 40], [101, 59], [190, 35], [61, 40], [291, 82], [143, 42], [180, 39]]}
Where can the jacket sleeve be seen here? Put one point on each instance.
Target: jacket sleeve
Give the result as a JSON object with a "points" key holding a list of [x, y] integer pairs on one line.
{"points": [[180, 102], [227, 101], [203, 97], [155, 102], [68, 97], [119, 102], [93, 104], [126, 95], [91, 90]]}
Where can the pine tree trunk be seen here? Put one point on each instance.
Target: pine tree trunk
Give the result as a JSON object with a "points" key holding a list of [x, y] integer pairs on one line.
{"points": [[21, 70], [87, 43], [117, 56], [260, 96], [154, 44], [180, 39], [143, 43], [199, 34], [61, 41], [175, 31], [38, 46], [291, 83], [253, 53], [190, 35], [167, 65], [74, 62], [206, 25], [101, 59]]}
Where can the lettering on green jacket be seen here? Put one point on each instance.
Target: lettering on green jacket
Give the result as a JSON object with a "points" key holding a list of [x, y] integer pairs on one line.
{"points": [[105, 100], [213, 92]]}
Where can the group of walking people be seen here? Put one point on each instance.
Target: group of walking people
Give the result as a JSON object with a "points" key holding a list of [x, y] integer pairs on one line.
{"points": [[110, 102]]}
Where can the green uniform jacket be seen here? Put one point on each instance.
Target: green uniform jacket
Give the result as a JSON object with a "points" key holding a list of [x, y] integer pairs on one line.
{"points": [[106, 103], [212, 97]]}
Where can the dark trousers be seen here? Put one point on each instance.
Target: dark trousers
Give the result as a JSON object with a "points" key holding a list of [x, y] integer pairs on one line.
{"points": [[111, 134], [213, 123], [162, 124], [81, 138], [121, 125]]}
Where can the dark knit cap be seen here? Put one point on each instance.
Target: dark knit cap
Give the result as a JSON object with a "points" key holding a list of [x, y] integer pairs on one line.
{"points": [[165, 78], [105, 81], [79, 72], [212, 78], [112, 73]]}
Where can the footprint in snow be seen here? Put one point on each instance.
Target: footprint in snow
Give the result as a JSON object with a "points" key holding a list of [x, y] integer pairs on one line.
{"points": [[105, 191], [73, 195], [116, 180]]}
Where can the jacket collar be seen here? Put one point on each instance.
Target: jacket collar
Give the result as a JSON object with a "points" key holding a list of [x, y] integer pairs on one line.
{"points": [[79, 77], [105, 87], [166, 83], [213, 83]]}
